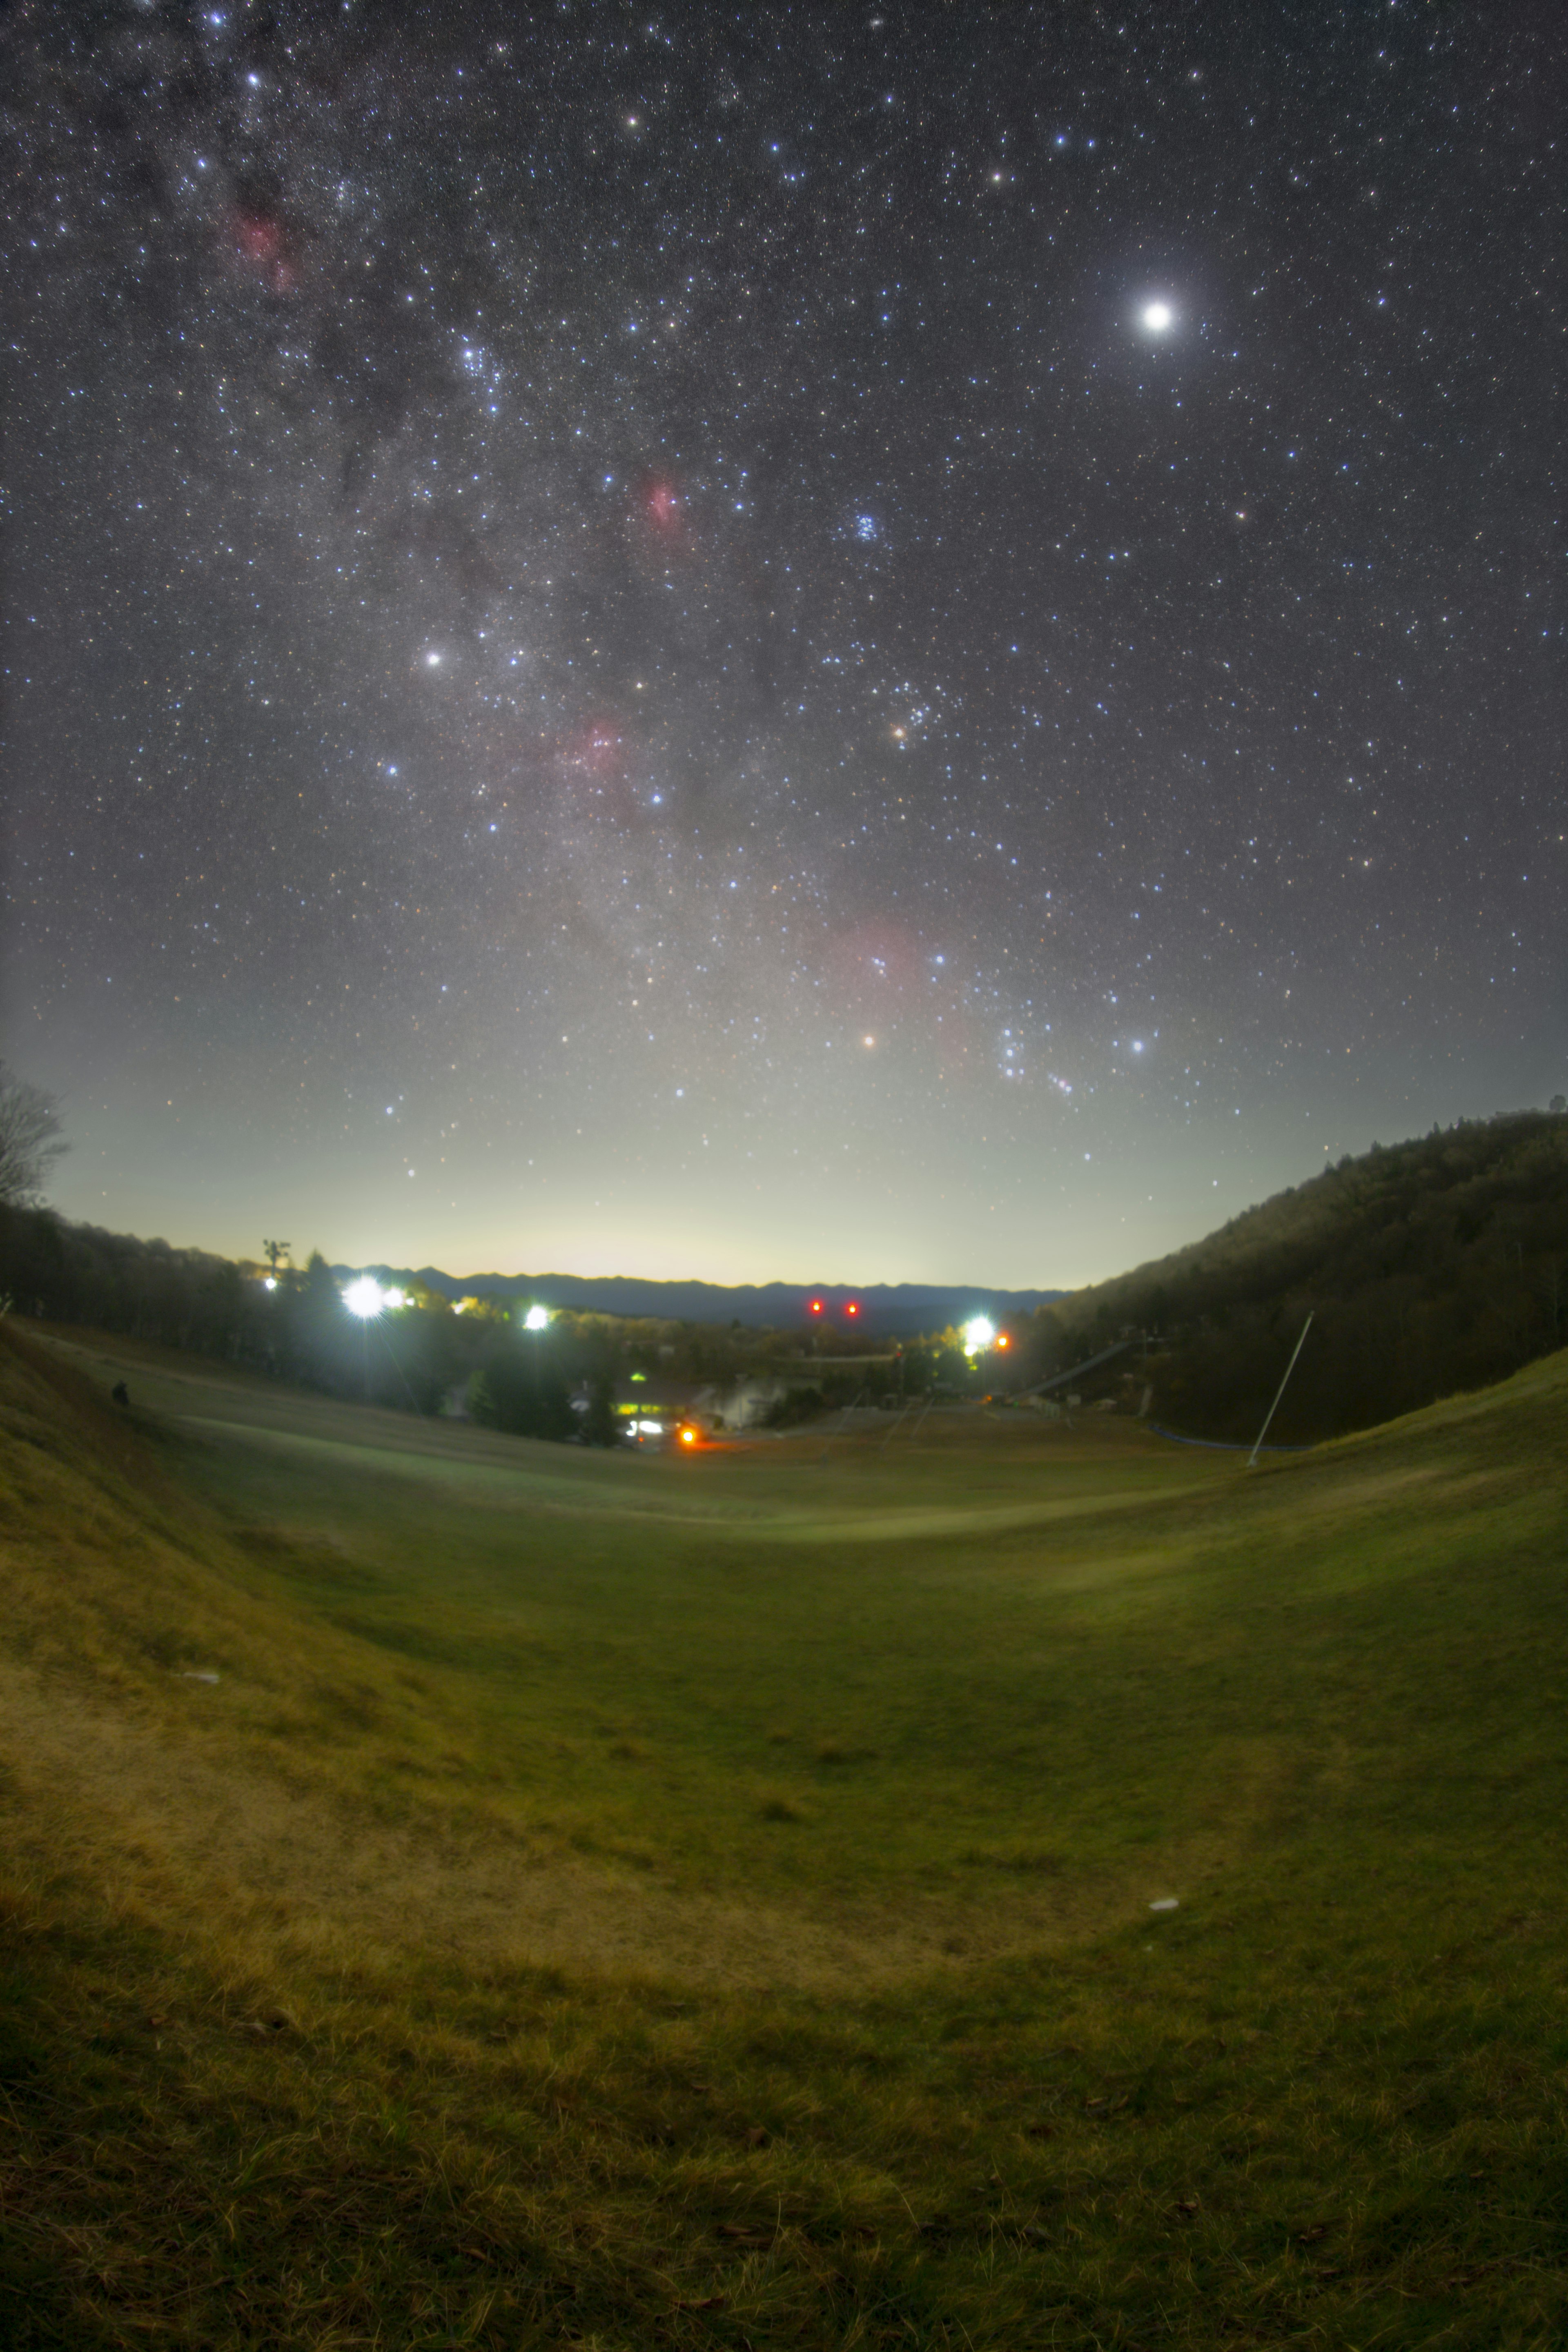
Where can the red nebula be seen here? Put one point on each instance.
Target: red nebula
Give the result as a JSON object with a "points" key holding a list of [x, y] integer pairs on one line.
{"points": [[259, 238], [259, 241], [591, 763], [596, 748], [661, 503]]}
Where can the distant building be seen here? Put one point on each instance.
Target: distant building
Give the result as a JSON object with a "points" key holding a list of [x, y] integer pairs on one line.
{"points": [[652, 1406]]}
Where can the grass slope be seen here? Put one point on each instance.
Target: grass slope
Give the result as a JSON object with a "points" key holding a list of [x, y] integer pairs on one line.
{"points": [[626, 1902]]}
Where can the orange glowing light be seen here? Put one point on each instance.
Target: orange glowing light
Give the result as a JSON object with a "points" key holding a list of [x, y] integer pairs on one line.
{"points": [[688, 1437], [1003, 1340]]}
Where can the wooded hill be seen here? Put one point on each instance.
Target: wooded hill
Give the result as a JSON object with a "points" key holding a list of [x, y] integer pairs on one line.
{"points": [[1428, 1268]]}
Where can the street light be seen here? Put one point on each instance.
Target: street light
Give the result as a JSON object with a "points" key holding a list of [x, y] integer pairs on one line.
{"points": [[365, 1298]]}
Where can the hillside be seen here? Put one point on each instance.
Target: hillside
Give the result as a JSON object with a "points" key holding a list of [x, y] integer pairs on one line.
{"points": [[1428, 1266], [1037, 1888]]}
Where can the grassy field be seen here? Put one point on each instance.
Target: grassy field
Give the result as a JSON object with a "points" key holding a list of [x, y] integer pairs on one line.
{"points": [[631, 1901]]}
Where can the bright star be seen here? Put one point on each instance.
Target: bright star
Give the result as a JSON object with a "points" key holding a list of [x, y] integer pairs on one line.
{"points": [[1157, 316]]}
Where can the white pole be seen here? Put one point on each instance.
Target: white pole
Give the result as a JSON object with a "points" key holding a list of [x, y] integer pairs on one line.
{"points": [[1252, 1457]]}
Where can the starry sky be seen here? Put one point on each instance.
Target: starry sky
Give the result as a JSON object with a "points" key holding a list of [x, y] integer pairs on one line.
{"points": [[778, 642]]}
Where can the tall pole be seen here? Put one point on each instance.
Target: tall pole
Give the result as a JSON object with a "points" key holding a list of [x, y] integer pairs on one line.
{"points": [[1252, 1457]]}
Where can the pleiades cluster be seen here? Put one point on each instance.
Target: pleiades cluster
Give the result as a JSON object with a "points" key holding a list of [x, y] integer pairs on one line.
{"points": [[787, 641]]}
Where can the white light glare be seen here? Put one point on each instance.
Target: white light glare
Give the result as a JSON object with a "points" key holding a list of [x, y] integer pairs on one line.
{"points": [[978, 1332], [363, 1297], [1157, 317], [536, 1319]]}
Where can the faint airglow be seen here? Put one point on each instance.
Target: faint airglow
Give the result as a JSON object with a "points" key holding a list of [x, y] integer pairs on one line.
{"points": [[978, 1332], [536, 1319]]}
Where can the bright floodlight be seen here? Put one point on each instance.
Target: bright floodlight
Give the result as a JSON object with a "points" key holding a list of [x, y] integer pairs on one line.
{"points": [[978, 1333], [1157, 316], [536, 1319], [363, 1298]]}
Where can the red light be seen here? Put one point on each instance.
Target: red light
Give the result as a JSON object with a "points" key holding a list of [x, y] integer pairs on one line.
{"points": [[853, 1308], [814, 1308], [688, 1437]]}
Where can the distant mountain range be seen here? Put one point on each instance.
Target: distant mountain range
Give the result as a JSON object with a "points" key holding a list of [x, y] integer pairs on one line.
{"points": [[895, 1308]]}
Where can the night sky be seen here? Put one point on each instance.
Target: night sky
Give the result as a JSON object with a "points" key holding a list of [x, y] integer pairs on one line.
{"points": [[824, 643]]}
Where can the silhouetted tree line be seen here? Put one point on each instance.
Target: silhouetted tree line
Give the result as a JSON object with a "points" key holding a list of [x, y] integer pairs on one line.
{"points": [[1428, 1268], [411, 1358], [181, 1297]]}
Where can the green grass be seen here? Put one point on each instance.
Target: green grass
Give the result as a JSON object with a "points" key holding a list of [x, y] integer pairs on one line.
{"points": [[706, 1903]]}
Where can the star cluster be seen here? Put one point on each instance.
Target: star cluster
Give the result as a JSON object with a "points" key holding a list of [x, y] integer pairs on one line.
{"points": [[779, 641]]}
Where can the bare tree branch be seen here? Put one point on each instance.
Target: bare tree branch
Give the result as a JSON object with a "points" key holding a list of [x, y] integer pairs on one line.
{"points": [[30, 1140]]}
